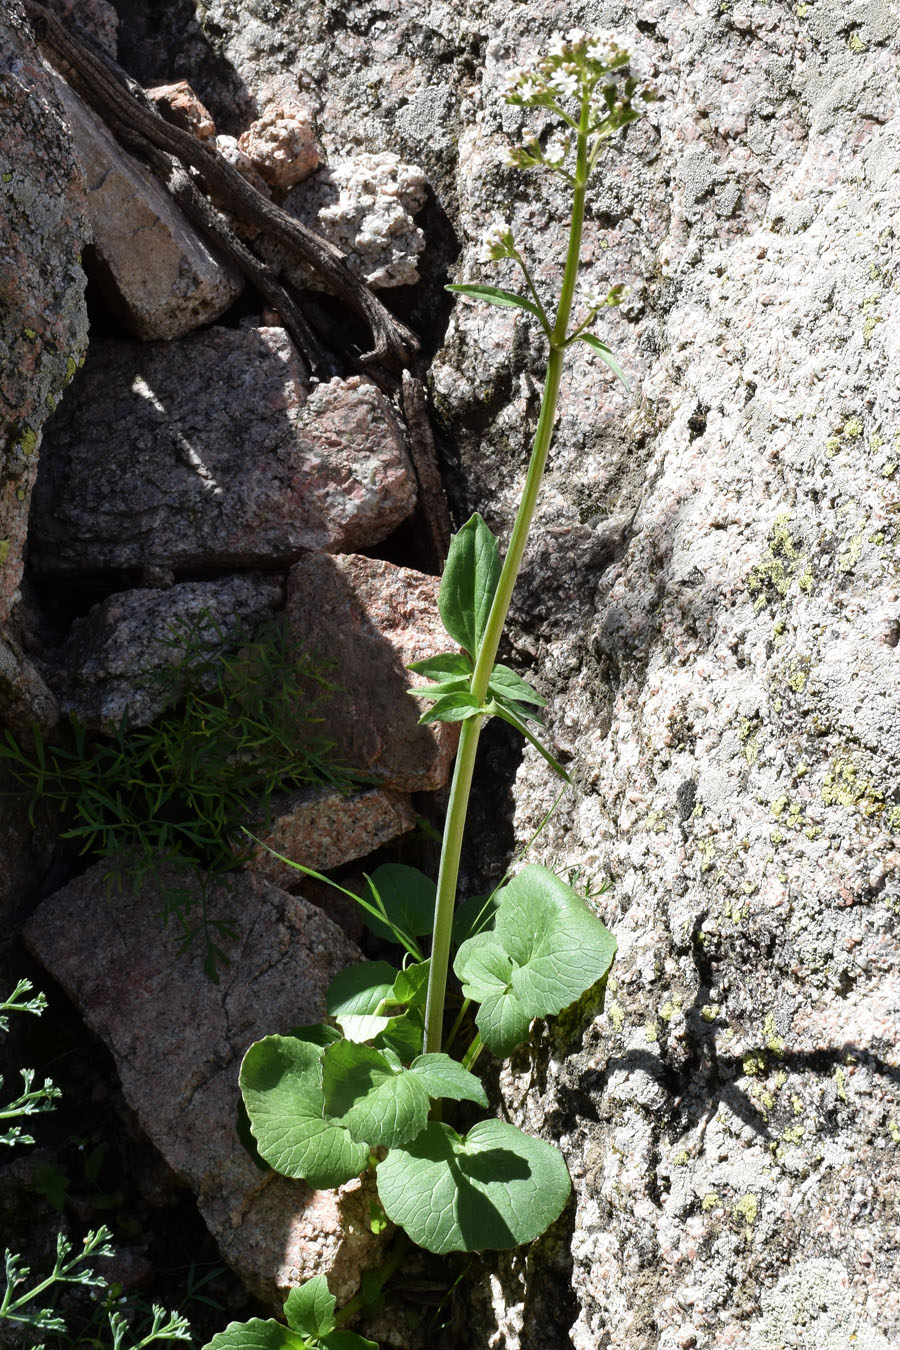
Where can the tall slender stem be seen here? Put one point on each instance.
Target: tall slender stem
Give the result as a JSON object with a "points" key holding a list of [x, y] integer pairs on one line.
{"points": [[461, 785]]}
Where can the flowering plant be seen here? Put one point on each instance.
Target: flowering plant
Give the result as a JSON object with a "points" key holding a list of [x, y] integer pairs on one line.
{"points": [[332, 1101]]}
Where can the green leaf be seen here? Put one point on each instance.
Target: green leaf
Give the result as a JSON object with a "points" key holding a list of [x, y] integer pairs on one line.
{"points": [[551, 944], [436, 691], [411, 984], [456, 707], [317, 1033], [309, 1309], [379, 1104], [347, 1340], [281, 1083], [472, 916], [441, 1076], [514, 719], [606, 356], [449, 666], [257, 1335], [491, 1190], [468, 584], [506, 684], [407, 896], [495, 295], [403, 1035], [356, 996]]}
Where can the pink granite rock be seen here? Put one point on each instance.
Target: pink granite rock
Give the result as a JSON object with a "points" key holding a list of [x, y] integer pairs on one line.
{"points": [[178, 1040], [381, 618], [213, 453], [157, 274], [281, 143], [178, 104], [324, 829]]}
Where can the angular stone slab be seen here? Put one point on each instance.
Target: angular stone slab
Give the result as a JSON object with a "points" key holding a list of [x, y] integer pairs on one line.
{"points": [[212, 453], [108, 661], [178, 1040], [322, 830], [158, 275], [381, 618]]}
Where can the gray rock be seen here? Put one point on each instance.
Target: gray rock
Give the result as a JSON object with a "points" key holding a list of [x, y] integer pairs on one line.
{"points": [[43, 323], [156, 273], [178, 1040], [112, 656], [381, 618], [212, 453]]}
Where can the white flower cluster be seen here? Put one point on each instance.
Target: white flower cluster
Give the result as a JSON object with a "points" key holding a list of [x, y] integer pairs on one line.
{"points": [[498, 242], [574, 61], [595, 299]]}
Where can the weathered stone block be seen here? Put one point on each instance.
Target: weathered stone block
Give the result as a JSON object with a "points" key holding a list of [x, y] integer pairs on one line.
{"points": [[214, 454], [178, 1040]]}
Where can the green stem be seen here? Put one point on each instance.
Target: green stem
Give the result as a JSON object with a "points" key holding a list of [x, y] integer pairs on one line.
{"points": [[460, 789], [376, 1281]]}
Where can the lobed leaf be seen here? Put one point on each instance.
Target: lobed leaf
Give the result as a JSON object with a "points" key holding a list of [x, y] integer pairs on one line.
{"points": [[493, 1189], [378, 1103], [545, 950], [309, 1308], [281, 1083], [470, 578]]}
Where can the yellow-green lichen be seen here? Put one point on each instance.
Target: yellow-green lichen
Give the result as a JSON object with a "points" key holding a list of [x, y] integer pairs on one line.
{"points": [[844, 785], [30, 334], [710, 1201], [850, 556], [28, 442], [616, 1015], [793, 1134], [856, 44], [754, 1063], [747, 1210], [773, 1041], [709, 1012], [681, 1158], [4, 551], [840, 1083]]}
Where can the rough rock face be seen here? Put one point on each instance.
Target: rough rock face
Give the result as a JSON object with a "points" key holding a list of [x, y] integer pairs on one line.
{"points": [[325, 829], [178, 1040], [212, 453], [365, 205], [110, 657], [156, 273], [43, 324], [382, 618], [712, 602]]}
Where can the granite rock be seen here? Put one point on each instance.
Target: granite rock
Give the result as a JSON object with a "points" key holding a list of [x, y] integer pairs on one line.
{"points": [[178, 104], [43, 322], [157, 274], [365, 205], [212, 453], [178, 1039], [113, 655], [382, 617], [281, 144], [323, 830]]}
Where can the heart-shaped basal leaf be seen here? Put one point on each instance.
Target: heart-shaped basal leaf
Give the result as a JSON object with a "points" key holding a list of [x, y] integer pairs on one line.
{"points": [[470, 578], [491, 1190], [356, 997], [383, 1104], [281, 1083], [309, 1309], [551, 944], [407, 896]]}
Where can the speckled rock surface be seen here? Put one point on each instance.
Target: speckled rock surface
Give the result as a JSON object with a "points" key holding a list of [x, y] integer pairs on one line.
{"points": [[712, 603], [213, 453], [281, 143], [43, 323], [382, 617], [325, 829], [112, 656], [365, 205], [178, 1040]]}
